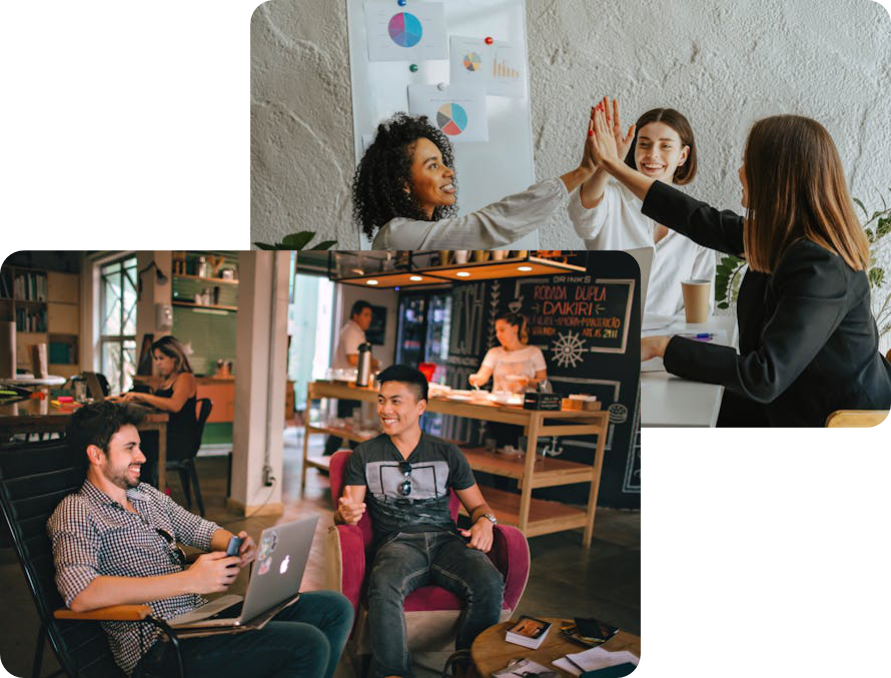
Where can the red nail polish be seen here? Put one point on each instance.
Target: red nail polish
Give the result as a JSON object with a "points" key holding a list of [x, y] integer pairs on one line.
{"points": [[590, 132]]}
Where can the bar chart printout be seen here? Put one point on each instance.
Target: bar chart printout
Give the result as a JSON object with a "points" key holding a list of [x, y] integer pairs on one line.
{"points": [[499, 67]]}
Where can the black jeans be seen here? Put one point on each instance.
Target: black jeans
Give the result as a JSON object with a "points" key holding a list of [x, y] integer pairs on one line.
{"points": [[302, 641], [409, 561]]}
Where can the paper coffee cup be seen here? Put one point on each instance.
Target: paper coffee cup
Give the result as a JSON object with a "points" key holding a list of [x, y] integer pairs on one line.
{"points": [[696, 300]]}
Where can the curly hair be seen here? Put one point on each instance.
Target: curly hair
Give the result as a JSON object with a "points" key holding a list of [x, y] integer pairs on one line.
{"points": [[379, 184]]}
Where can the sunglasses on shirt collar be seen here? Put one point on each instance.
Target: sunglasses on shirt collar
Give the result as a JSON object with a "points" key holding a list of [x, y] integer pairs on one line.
{"points": [[405, 486]]}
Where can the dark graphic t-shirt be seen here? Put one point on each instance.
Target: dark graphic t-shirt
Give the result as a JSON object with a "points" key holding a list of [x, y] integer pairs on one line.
{"points": [[413, 496]]}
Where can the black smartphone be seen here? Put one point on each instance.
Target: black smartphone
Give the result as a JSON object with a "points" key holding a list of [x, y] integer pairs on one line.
{"points": [[234, 546]]}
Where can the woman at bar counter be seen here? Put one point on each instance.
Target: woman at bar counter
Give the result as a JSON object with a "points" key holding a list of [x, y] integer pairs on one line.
{"points": [[515, 364], [175, 395], [808, 341], [515, 367]]}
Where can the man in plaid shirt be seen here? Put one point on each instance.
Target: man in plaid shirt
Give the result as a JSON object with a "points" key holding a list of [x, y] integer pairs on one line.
{"points": [[115, 543]]}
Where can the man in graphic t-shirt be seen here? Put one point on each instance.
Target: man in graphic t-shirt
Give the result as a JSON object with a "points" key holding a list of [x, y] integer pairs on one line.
{"points": [[403, 477]]}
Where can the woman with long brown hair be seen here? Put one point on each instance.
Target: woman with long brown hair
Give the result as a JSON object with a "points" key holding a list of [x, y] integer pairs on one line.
{"points": [[808, 341], [607, 216]]}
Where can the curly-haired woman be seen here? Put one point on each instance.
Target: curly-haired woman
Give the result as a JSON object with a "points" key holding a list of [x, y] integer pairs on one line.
{"points": [[405, 194]]}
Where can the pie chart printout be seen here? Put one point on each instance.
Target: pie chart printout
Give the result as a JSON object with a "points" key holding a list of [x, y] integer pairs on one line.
{"points": [[405, 29], [472, 62], [452, 119]]}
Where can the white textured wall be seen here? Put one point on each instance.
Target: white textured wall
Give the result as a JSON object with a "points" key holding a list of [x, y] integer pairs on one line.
{"points": [[724, 64]]}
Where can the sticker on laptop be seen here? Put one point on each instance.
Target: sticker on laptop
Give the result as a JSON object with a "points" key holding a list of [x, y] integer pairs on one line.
{"points": [[267, 545], [264, 567]]}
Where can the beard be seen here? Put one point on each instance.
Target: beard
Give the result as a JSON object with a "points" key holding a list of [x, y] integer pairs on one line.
{"points": [[120, 479]]}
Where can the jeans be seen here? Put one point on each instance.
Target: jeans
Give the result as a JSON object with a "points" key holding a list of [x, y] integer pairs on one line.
{"points": [[304, 640], [409, 561]]}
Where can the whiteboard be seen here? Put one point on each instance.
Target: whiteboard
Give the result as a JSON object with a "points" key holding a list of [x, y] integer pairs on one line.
{"points": [[486, 171]]}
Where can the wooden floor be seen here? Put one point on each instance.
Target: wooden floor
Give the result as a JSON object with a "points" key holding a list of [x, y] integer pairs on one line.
{"points": [[566, 580]]}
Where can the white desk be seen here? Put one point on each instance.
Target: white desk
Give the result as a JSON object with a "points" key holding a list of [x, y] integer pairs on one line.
{"points": [[667, 400]]}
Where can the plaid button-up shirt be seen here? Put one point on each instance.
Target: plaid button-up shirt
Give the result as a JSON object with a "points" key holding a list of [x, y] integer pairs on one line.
{"points": [[93, 536]]}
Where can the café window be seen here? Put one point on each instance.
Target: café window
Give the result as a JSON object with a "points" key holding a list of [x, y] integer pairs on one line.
{"points": [[118, 323]]}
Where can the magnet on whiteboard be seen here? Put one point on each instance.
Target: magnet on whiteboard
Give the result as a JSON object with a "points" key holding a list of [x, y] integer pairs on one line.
{"points": [[441, 87], [489, 40], [413, 68], [401, 3]]}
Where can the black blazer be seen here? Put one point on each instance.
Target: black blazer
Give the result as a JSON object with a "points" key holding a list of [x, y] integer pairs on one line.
{"points": [[807, 338]]}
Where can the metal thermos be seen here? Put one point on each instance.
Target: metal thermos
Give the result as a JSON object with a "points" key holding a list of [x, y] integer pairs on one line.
{"points": [[363, 369]]}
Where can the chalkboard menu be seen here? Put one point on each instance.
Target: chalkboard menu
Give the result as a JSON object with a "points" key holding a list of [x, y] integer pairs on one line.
{"points": [[587, 326], [580, 313]]}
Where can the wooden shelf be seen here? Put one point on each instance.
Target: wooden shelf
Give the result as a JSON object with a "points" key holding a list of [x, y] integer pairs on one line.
{"points": [[547, 472], [318, 462], [545, 516], [345, 433], [192, 304], [198, 278]]}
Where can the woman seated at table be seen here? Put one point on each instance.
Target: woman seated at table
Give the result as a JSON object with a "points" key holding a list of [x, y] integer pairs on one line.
{"points": [[175, 395], [808, 341]]}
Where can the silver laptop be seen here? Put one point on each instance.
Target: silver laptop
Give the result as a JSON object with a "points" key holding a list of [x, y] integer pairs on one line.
{"points": [[282, 554]]}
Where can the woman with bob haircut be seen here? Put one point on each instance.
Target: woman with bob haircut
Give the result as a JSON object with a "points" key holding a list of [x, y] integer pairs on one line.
{"points": [[808, 341], [405, 194], [607, 215]]}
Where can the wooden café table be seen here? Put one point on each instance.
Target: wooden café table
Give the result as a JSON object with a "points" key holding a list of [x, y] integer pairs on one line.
{"points": [[491, 652], [39, 416]]}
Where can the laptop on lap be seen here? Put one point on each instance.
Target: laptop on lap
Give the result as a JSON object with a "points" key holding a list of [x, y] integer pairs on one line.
{"points": [[282, 554]]}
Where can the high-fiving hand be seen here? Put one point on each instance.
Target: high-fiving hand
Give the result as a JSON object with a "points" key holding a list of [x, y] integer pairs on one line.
{"points": [[605, 139]]}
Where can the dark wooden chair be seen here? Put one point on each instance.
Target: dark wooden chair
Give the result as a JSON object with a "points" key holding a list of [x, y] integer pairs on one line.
{"points": [[34, 478], [185, 463]]}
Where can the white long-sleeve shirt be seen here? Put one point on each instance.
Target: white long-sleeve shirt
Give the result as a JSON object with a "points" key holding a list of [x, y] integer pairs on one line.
{"points": [[495, 225], [617, 223]]}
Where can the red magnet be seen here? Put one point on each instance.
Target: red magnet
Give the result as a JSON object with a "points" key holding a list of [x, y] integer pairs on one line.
{"points": [[489, 41]]}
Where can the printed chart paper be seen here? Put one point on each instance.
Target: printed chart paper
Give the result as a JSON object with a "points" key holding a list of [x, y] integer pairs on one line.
{"points": [[416, 32], [499, 67], [459, 111]]}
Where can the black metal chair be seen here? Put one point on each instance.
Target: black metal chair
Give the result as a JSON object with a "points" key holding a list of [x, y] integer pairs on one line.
{"points": [[34, 478], [184, 461]]}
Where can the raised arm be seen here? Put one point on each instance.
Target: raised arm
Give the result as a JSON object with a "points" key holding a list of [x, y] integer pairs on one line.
{"points": [[696, 220], [492, 226]]}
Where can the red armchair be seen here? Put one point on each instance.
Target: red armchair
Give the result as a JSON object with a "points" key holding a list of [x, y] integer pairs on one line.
{"points": [[431, 612]]}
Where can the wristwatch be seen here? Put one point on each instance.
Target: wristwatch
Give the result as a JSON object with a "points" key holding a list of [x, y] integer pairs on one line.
{"points": [[488, 516]]}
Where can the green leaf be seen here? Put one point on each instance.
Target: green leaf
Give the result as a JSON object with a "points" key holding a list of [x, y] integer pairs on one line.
{"points": [[264, 246], [860, 205], [324, 245], [297, 241]]}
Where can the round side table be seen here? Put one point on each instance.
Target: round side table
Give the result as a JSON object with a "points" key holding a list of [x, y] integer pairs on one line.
{"points": [[491, 652]]}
